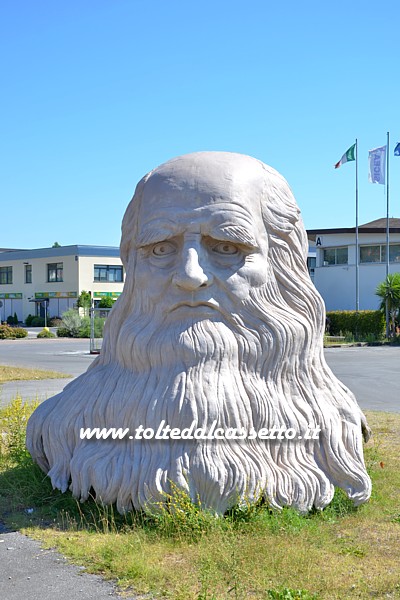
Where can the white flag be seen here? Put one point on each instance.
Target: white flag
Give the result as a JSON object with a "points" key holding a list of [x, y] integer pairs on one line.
{"points": [[377, 165]]}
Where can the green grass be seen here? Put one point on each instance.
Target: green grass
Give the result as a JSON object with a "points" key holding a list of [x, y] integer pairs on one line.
{"points": [[184, 553], [19, 374]]}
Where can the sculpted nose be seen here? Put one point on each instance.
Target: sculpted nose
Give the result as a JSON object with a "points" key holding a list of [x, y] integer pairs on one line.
{"points": [[190, 275]]}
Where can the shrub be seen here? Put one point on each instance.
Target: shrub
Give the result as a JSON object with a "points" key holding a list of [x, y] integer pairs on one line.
{"points": [[73, 325], [12, 319], [45, 333], [106, 302], [6, 332], [28, 320], [72, 322], [84, 331], [20, 332], [63, 332], [360, 324], [13, 420], [37, 322], [54, 322], [99, 326], [11, 333]]}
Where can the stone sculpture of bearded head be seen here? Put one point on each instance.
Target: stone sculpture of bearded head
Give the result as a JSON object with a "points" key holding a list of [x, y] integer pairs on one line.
{"points": [[218, 323]]}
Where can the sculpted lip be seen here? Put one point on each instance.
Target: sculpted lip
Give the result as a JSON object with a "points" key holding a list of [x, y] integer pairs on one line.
{"points": [[212, 305]]}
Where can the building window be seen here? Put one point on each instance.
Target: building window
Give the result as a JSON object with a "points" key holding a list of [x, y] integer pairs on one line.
{"points": [[55, 272], [394, 253], [370, 254], [377, 254], [112, 273], [5, 275], [336, 256], [28, 273], [311, 264]]}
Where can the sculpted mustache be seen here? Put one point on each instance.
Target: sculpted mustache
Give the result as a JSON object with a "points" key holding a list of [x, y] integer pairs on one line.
{"points": [[195, 304], [232, 318]]}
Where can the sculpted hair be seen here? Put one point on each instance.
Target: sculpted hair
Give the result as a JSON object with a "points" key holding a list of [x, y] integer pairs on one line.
{"points": [[263, 366]]}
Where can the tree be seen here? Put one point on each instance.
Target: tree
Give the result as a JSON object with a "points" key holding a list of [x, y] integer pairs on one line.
{"points": [[56, 245], [389, 292], [106, 302], [85, 302]]}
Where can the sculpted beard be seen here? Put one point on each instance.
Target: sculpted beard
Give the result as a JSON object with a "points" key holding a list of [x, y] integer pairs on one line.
{"points": [[202, 371], [209, 370], [261, 367]]}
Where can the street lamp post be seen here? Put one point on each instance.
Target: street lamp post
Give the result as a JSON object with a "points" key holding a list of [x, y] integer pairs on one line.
{"points": [[46, 303]]}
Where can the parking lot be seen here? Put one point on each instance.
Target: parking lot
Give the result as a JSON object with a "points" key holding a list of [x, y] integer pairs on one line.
{"points": [[372, 373], [63, 355]]}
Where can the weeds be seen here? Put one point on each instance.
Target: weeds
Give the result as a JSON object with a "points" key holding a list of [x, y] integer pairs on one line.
{"points": [[182, 551], [8, 373], [289, 594], [178, 517], [13, 421]]}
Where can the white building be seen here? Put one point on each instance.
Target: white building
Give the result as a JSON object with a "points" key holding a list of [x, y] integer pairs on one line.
{"points": [[311, 259], [335, 269], [30, 279]]}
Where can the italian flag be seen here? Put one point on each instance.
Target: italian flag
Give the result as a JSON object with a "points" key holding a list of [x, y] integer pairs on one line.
{"points": [[347, 156]]}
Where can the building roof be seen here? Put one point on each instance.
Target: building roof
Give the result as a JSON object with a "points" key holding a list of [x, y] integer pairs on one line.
{"points": [[76, 250], [381, 224], [377, 226]]}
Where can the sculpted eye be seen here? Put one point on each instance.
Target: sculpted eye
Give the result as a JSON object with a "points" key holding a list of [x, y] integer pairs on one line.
{"points": [[163, 249], [226, 248]]}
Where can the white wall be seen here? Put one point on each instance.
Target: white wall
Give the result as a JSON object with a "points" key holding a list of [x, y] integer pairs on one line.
{"points": [[10, 307], [337, 286], [86, 274], [337, 283]]}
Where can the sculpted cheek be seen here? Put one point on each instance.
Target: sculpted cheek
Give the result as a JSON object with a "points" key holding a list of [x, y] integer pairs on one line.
{"points": [[153, 283], [243, 281], [255, 272]]}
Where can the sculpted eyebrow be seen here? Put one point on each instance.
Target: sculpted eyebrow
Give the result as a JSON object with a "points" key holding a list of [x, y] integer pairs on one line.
{"points": [[229, 233], [152, 236], [235, 233]]}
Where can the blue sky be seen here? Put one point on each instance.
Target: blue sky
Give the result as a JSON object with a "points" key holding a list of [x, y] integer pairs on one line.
{"points": [[97, 93]]}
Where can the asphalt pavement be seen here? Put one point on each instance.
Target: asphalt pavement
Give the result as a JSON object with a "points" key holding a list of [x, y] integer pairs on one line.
{"points": [[371, 372], [63, 355], [29, 571]]}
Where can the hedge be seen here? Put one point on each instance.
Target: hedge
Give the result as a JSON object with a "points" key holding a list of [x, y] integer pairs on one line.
{"points": [[360, 324]]}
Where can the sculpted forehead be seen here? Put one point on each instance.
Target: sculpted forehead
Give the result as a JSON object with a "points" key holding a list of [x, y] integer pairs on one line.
{"points": [[218, 186], [212, 175]]}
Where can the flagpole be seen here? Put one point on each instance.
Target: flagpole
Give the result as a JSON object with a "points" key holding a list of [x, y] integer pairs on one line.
{"points": [[357, 244], [387, 230], [387, 206]]}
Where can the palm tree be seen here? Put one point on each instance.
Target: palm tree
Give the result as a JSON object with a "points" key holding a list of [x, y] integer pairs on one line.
{"points": [[389, 292]]}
